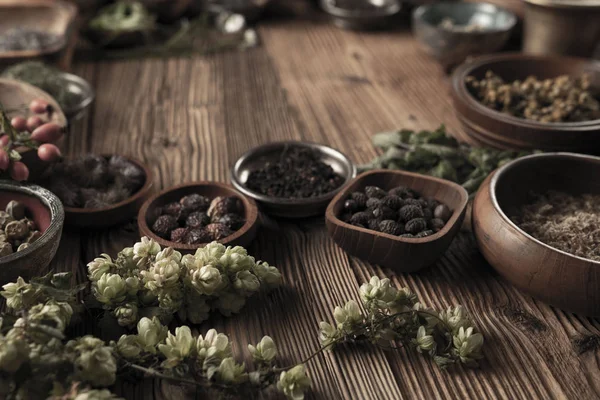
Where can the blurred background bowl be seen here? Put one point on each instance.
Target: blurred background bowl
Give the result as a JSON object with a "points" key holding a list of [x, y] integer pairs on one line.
{"points": [[362, 14], [452, 31], [553, 276], [46, 210]]}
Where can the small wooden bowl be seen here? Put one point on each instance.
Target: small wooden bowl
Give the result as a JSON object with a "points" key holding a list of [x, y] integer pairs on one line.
{"points": [[53, 16], [47, 212], [17, 95], [556, 277], [513, 132], [114, 214], [241, 237], [396, 253]]}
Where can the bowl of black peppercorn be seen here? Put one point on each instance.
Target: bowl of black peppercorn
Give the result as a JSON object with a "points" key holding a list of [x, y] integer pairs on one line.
{"points": [[186, 217], [292, 179], [397, 219]]}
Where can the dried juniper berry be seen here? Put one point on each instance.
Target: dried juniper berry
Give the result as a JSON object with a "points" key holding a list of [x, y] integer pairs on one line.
{"points": [[415, 225], [383, 212], [391, 227], [218, 231], [361, 218], [178, 235], [194, 202], [373, 202], [409, 212], [164, 225], [351, 206], [197, 236], [436, 224], [232, 221], [375, 191], [360, 199], [197, 219], [392, 201], [442, 212]]}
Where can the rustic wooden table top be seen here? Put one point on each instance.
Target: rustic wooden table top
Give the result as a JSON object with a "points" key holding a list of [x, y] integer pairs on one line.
{"points": [[190, 118]]}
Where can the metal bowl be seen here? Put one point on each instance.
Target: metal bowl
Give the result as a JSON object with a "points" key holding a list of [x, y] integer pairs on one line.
{"points": [[361, 14], [83, 90], [476, 28], [289, 208], [48, 213]]}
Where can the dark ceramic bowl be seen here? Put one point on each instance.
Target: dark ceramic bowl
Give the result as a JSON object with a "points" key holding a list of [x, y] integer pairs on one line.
{"points": [[452, 46], [242, 237], [83, 90], [289, 208], [361, 14], [47, 212]]}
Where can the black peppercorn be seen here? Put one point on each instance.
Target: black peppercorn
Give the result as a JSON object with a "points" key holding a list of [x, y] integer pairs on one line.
{"points": [[164, 225], [360, 199], [351, 205], [361, 218], [197, 236], [218, 231], [373, 202], [197, 219], [442, 212], [409, 212], [178, 235], [391, 227], [194, 202], [436, 224], [374, 191], [415, 225], [232, 221], [383, 212], [392, 201]]}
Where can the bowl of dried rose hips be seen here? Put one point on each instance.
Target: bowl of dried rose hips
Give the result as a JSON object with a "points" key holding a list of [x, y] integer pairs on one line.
{"points": [[186, 217], [397, 219], [31, 222]]}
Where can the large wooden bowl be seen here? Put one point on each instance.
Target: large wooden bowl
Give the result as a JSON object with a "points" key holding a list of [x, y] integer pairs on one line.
{"points": [[241, 237], [45, 209], [558, 278], [507, 131], [399, 254], [53, 16], [16, 95]]}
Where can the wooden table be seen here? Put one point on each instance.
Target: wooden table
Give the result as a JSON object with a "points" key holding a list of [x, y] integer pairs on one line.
{"points": [[190, 118]]}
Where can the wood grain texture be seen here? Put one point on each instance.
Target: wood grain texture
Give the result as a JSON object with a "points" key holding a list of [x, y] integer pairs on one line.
{"points": [[190, 118]]}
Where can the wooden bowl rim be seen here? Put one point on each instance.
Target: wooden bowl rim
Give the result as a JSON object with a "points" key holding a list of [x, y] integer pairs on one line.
{"points": [[331, 8], [515, 163], [55, 209], [143, 191], [461, 93], [330, 215], [71, 10], [298, 202], [249, 205]]}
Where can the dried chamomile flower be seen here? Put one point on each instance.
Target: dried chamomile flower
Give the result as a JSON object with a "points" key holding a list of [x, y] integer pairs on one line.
{"points": [[264, 352], [110, 289], [179, 346], [467, 346], [294, 382], [150, 333], [20, 294]]}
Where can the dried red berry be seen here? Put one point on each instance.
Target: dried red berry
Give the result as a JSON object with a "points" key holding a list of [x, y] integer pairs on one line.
{"points": [[232, 221]]}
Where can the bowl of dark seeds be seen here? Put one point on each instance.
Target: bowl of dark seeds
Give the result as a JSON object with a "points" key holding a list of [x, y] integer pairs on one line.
{"points": [[99, 191], [400, 220], [187, 217], [292, 179]]}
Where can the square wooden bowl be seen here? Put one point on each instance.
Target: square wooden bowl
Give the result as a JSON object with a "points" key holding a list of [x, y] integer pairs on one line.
{"points": [[396, 253]]}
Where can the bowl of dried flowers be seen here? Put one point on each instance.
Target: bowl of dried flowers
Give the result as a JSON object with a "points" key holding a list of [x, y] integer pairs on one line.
{"points": [[99, 191], [400, 220], [530, 102], [31, 222], [536, 220], [187, 217]]}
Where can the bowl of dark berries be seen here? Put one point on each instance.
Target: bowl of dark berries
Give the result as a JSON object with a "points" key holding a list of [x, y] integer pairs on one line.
{"points": [[188, 216], [400, 220], [99, 191], [292, 179], [31, 222]]}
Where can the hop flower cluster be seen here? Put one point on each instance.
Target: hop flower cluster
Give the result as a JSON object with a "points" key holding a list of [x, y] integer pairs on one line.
{"points": [[209, 358], [146, 278], [395, 315]]}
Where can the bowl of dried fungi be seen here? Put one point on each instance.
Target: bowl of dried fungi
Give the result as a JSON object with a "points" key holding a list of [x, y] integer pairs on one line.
{"points": [[31, 222], [189, 216], [99, 191], [518, 101], [537, 222], [292, 179], [400, 220]]}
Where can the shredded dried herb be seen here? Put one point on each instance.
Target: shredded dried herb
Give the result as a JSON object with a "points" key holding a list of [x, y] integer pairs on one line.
{"points": [[565, 222], [26, 39]]}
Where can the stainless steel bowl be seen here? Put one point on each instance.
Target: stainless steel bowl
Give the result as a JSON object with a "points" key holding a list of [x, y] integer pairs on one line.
{"points": [[451, 32], [289, 208], [362, 14], [83, 90]]}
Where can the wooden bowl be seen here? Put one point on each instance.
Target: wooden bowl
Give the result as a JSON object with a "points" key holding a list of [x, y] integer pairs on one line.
{"points": [[241, 237], [556, 277], [17, 95], [352, 14], [47, 212], [514, 132], [53, 16], [396, 253], [114, 214]]}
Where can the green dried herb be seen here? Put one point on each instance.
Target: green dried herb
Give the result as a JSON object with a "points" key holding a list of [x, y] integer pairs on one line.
{"points": [[436, 154]]}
